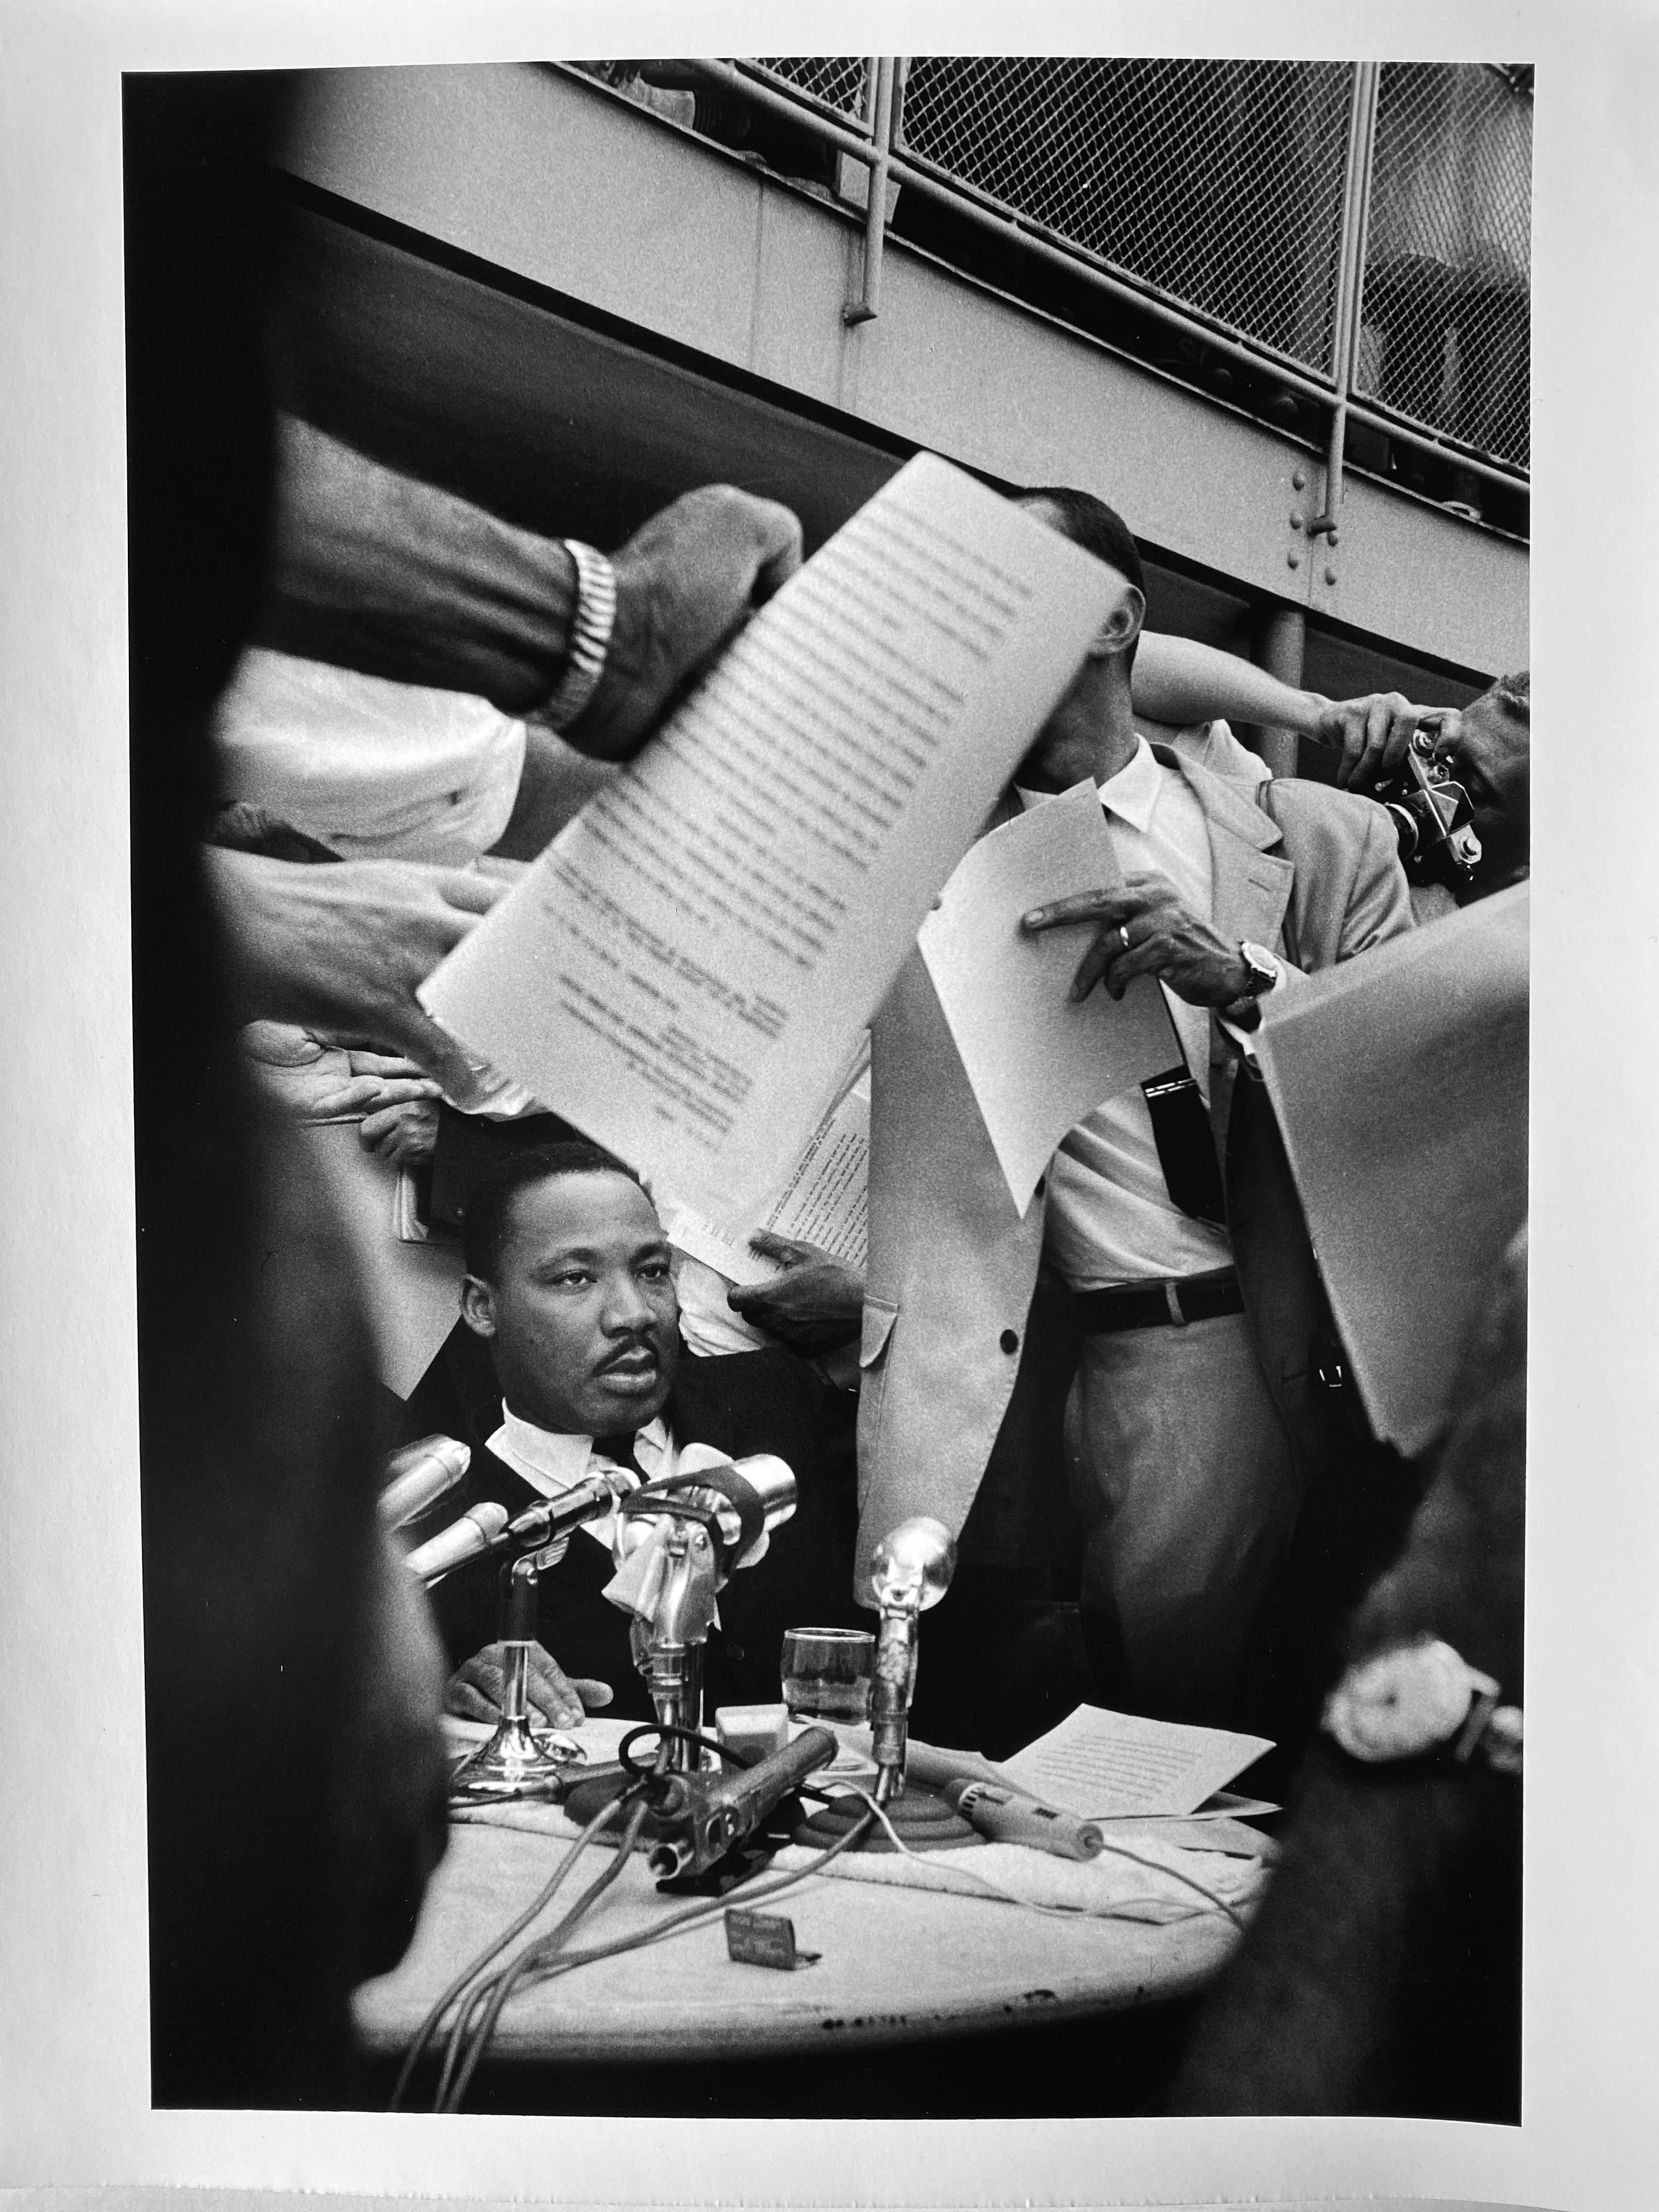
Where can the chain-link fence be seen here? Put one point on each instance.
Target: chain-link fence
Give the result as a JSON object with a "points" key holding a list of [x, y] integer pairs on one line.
{"points": [[1219, 187], [1445, 333], [1217, 184], [836, 81]]}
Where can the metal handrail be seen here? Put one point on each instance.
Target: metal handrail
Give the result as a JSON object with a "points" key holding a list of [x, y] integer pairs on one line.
{"points": [[874, 140]]}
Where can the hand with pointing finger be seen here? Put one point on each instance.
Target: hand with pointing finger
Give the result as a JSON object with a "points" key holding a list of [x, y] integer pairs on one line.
{"points": [[1142, 928]]}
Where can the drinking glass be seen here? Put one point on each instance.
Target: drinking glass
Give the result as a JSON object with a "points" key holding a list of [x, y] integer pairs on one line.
{"points": [[827, 1673]]}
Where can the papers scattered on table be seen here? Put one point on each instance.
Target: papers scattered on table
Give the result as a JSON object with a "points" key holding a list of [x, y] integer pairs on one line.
{"points": [[1400, 1083], [685, 971], [1103, 1765], [1037, 1059]]}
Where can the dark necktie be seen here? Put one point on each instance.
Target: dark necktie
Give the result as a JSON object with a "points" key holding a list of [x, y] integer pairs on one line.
{"points": [[620, 1450]]}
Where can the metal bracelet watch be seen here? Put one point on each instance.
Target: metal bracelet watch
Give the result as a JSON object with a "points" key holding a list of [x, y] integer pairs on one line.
{"points": [[591, 624], [1262, 973], [1263, 970]]}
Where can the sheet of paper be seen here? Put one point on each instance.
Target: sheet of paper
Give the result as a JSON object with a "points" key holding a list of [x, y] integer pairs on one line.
{"points": [[1097, 1762], [1037, 1061], [825, 1202], [1400, 1083], [685, 971]]}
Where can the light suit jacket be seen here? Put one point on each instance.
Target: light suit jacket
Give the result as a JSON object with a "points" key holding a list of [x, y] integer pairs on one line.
{"points": [[1310, 871]]}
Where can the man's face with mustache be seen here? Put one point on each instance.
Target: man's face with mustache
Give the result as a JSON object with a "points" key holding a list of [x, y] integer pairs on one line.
{"points": [[582, 1320]]}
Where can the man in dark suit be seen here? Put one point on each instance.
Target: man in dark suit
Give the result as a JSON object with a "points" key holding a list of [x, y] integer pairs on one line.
{"points": [[568, 1358]]}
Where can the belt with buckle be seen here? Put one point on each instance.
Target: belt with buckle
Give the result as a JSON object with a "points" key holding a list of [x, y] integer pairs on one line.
{"points": [[1160, 1306]]}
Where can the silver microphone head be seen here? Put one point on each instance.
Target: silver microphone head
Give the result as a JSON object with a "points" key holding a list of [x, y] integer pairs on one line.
{"points": [[415, 1478], [913, 1563], [775, 1482]]}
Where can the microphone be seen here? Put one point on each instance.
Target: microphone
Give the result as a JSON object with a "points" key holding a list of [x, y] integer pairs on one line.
{"points": [[418, 1476], [701, 1817], [462, 1539], [590, 1499], [910, 1570]]}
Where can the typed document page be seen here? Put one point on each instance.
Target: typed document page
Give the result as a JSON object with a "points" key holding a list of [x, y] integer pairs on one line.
{"points": [[685, 972], [1107, 1764], [824, 1202], [1038, 1060]]}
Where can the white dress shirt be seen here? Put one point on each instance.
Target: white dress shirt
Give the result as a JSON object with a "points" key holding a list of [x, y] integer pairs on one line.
{"points": [[1111, 1217], [552, 1464]]}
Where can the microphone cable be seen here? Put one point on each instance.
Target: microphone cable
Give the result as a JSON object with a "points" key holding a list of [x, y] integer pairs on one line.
{"points": [[475, 2025], [1057, 1911], [491, 1950]]}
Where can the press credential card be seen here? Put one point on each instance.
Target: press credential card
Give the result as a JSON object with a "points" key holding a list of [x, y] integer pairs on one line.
{"points": [[1104, 1764]]}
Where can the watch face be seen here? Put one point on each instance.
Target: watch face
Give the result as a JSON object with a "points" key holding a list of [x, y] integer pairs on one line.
{"points": [[1264, 969]]}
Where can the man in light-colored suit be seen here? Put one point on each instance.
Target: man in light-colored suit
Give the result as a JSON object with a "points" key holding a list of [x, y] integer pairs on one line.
{"points": [[1194, 1418]]}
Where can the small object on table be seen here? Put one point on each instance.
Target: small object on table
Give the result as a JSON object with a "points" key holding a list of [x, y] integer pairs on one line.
{"points": [[827, 1673], [764, 1938], [1002, 1817], [752, 1732]]}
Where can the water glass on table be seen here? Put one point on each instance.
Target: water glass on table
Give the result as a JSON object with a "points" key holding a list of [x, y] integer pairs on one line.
{"points": [[827, 1673]]}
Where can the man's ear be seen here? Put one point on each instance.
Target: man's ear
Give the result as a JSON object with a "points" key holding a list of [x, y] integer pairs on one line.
{"points": [[477, 1305], [1121, 625]]}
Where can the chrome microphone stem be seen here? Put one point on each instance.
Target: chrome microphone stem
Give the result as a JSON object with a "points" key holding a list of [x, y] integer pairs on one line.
{"points": [[889, 1697]]}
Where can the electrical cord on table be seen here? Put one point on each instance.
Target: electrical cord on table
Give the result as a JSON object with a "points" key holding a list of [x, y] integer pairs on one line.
{"points": [[496, 1945], [698, 1915], [489, 2010], [1057, 1911], [476, 2022]]}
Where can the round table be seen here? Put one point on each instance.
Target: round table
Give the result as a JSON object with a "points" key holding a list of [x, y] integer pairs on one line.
{"points": [[896, 1965]]}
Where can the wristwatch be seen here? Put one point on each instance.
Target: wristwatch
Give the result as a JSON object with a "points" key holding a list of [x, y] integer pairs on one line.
{"points": [[1262, 973], [1262, 968], [591, 621]]}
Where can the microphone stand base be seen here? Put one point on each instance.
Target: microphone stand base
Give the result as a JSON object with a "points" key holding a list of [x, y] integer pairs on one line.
{"points": [[515, 1764], [922, 1822]]}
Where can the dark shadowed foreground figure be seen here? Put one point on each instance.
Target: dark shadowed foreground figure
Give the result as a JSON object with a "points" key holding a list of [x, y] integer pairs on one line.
{"points": [[1384, 1974], [295, 1774]]}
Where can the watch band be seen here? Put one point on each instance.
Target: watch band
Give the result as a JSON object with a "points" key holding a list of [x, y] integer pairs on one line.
{"points": [[590, 625]]}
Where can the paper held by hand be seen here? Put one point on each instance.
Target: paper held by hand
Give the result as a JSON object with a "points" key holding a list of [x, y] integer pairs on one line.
{"points": [[1038, 1061], [1399, 1081], [824, 1202], [684, 973], [1105, 1765]]}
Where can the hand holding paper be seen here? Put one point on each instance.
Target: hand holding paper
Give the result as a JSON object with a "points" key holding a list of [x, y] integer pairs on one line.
{"points": [[1038, 1061], [684, 973]]}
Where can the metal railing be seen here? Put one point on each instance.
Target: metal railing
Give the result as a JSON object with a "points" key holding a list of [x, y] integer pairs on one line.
{"points": [[1356, 235], [1444, 339]]}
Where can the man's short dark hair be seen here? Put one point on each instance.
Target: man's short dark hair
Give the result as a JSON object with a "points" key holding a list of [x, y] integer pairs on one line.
{"points": [[1097, 528], [1514, 694], [488, 1221]]}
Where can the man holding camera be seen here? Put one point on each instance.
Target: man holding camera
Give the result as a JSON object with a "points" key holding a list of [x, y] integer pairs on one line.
{"points": [[1484, 749], [1193, 1420]]}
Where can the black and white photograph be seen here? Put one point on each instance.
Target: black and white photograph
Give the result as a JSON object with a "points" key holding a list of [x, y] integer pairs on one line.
{"points": [[830, 937], [824, 1156]]}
